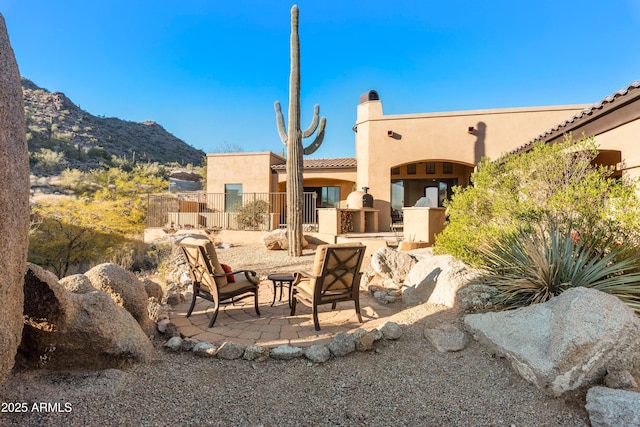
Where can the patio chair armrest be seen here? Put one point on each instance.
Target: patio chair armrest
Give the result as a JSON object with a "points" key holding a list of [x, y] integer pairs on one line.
{"points": [[303, 275]]}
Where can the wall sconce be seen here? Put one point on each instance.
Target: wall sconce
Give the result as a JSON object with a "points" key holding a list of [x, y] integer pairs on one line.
{"points": [[391, 134], [471, 130]]}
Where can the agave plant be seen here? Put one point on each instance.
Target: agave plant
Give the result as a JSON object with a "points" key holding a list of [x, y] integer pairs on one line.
{"points": [[532, 266]]}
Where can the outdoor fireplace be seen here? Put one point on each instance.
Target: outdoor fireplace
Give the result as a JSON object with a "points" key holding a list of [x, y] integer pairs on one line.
{"points": [[359, 199]]}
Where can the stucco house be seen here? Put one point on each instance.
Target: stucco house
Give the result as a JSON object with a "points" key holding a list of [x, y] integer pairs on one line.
{"points": [[401, 158]]}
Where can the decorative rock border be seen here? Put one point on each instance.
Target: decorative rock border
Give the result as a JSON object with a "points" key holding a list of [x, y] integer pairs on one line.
{"points": [[341, 345]]}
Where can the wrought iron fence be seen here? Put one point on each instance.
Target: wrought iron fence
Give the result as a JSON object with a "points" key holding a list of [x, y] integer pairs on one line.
{"points": [[226, 211]]}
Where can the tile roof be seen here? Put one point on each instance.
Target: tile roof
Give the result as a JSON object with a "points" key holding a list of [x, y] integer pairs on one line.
{"points": [[336, 163], [584, 115]]}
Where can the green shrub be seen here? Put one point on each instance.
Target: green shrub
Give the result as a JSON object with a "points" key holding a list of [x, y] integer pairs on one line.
{"points": [[533, 265], [521, 191]]}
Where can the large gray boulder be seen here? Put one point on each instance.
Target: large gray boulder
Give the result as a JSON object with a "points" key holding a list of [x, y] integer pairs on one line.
{"points": [[125, 289], [14, 202], [613, 408], [436, 279], [565, 344], [392, 266], [77, 283], [72, 330], [47, 304]]}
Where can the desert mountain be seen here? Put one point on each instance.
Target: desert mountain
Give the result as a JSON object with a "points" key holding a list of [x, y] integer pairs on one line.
{"points": [[55, 123]]}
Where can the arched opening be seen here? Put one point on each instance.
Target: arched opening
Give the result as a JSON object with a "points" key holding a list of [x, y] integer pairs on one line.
{"points": [[427, 181]]}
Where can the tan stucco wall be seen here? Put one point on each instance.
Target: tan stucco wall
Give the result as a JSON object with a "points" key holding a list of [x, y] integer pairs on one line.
{"points": [[625, 139], [345, 179], [440, 137], [252, 170]]}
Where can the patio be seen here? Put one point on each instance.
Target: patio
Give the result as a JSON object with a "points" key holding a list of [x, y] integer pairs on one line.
{"points": [[275, 326]]}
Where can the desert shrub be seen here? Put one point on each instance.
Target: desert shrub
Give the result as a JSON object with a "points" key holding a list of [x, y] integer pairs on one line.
{"points": [[253, 215], [47, 160], [136, 255], [517, 192], [534, 264]]}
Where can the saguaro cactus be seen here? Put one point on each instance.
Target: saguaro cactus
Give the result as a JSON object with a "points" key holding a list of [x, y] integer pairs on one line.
{"points": [[293, 141]]}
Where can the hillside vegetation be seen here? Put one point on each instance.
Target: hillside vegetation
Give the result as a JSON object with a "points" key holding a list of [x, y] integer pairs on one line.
{"points": [[60, 135]]}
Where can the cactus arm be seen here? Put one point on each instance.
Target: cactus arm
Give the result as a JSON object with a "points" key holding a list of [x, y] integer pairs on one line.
{"points": [[280, 122], [311, 148], [314, 124]]}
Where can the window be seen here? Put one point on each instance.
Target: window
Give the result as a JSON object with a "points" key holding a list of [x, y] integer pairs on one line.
{"points": [[326, 197], [232, 197], [411, 169], [431, 168], [447, 167], [395, 171]]}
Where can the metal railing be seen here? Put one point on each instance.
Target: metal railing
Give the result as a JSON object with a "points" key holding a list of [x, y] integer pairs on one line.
{"points": [[226, 211]]}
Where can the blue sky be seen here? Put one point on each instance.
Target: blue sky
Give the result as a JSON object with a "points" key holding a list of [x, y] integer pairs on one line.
{"points": [[210, 71]]}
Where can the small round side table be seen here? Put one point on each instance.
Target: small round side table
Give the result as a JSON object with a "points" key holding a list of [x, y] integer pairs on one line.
{"points": [[281, 280]]}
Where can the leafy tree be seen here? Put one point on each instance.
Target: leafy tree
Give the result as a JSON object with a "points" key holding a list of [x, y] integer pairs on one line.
{"points": [[557, 181], [70, 233], [101, 223]]}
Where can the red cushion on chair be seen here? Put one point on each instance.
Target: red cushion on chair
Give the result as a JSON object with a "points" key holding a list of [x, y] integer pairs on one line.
{"points": [[227, 269]]}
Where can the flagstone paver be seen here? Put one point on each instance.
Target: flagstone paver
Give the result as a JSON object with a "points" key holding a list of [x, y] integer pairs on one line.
{"points": [[239, 323]]}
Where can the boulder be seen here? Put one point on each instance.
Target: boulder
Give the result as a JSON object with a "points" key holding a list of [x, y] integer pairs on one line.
{"points": [[14, 199], [205, 349], [77, 283], [285, 352], [392, 265], [342, 344], [153, 289], [613, 408], [565, 344], [278, 240], [188, 344], [446, 338], [391, 331], [48, 304], [174, 344], [98, 335], [436, 279], [125, 289], [230, 351], [318, 353], [364, 339], [256, 353], [622, 379]]}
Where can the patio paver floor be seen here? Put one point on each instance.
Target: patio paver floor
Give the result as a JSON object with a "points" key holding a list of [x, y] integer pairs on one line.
{"points": [[239, 323]]}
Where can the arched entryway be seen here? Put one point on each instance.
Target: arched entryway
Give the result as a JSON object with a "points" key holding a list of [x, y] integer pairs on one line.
{"points": [[431, 179]]}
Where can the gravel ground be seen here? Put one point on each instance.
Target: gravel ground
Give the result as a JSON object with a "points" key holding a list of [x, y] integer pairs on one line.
{"points": [[400, 383]]}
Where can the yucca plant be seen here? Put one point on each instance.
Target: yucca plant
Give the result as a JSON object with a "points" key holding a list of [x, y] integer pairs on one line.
{"points": [[533, 265]]}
